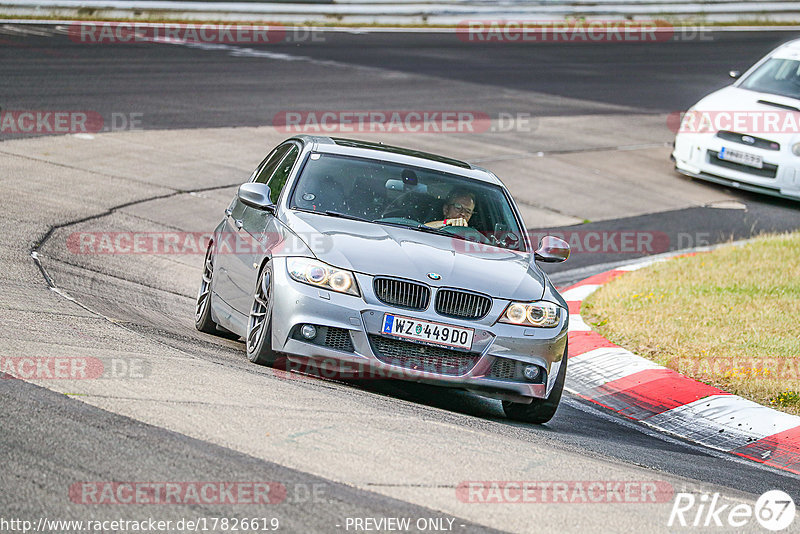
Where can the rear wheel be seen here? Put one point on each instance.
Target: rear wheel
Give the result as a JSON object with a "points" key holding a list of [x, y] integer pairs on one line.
{"points": [[259, 327], [202, 315], [540, 410]]}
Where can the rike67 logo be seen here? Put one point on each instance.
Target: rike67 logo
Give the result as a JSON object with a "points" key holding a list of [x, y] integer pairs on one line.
{"points": [[774, 510]]}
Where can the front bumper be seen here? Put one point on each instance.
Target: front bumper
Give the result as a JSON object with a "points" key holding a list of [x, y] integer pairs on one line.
{"points": [[695, 156], [296, 304]]}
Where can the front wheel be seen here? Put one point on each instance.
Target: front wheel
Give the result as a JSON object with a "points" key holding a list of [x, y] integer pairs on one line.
{"points": [[539, 411], [259, 327], [202, 314]]}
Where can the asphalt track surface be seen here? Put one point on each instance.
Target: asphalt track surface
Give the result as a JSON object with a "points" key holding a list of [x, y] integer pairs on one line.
{"points": [[51, 441], [185, 87]]}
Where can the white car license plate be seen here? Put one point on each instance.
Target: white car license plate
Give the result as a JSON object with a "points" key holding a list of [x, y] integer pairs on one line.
{"points": [[436, 333], [741, 157]]}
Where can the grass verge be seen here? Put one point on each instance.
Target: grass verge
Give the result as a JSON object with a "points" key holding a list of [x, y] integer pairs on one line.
{"points": [[729, 318]]}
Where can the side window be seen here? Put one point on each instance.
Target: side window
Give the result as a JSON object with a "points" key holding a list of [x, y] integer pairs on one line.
{"points": [[237, 208], [250, 216], [268, 166], [278, 179], [255, 220]]}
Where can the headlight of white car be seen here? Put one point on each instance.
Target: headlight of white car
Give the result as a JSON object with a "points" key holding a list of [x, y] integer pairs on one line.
{"points": [[796, 149], [542, 314], [315, 273]]}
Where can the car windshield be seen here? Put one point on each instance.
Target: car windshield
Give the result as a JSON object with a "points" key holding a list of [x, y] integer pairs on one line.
{"points": [[776, 76], [422, 199]]}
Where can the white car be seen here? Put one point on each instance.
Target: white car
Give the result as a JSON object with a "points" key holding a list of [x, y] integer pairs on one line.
{"points": [[747, 135]]}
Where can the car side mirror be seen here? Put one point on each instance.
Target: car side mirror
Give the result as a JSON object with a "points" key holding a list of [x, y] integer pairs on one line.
{"points": [[552, 250], [256, 196], [734, 74]]}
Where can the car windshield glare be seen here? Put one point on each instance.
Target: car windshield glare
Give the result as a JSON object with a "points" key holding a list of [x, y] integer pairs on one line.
{"points": [[390, 193], [775, 76]]}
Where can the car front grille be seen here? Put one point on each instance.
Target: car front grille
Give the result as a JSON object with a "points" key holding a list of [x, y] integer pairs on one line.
{"points": [[402, 293], [767, 171], [461, 304], [438, 360], [753, 141]]}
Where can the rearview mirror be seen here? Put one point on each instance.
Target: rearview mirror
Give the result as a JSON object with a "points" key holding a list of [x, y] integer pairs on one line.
{"points": [[256, 196], [734, 74], [552, 250], [404, 185]]}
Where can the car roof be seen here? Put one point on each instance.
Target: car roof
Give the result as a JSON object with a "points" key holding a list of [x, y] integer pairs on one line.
{"points": [[394, 154]]}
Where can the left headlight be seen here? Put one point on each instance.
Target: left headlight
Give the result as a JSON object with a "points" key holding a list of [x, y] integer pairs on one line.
{"points": [[542, 314], [796, 149], [315, 273]]}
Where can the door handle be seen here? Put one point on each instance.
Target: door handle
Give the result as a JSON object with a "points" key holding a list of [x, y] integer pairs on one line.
{"points": [[238, 223]]}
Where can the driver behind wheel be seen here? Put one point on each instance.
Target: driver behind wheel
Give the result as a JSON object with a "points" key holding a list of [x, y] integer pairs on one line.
{"points": [[457, 209]]}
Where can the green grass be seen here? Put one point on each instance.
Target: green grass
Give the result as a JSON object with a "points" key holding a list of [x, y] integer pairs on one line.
{"points": [[729, 318]]}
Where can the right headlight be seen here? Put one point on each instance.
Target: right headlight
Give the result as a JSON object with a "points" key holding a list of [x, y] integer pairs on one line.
{"points": [[796, 149], [315, 273], [541, 313]]}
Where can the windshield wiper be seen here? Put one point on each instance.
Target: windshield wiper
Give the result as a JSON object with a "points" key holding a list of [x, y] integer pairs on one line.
{"points": [[777, 105], [431, 230], [439, 231], [331, 213], [341, 215], [420, 227]]}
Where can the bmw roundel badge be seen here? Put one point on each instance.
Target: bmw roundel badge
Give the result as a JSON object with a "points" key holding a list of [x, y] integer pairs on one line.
{"points": [[434, 276]]}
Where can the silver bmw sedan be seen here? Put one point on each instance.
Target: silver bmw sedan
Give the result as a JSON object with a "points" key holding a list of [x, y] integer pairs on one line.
{"points": [[379, 261]]}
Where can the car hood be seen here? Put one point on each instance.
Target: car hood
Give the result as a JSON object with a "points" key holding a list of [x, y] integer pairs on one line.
{"points": [[734, 99], [377, 249]]}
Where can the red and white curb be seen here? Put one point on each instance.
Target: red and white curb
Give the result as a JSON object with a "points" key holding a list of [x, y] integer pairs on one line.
{"points": [[661, 398]]}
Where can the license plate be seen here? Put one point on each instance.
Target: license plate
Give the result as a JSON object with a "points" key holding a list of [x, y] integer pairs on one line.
{"points": [[744, 158], [427, 331]]}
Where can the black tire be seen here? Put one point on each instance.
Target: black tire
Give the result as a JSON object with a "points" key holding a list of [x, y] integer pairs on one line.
{"points": [[539, 411], [259, 325], [202, 314]]}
